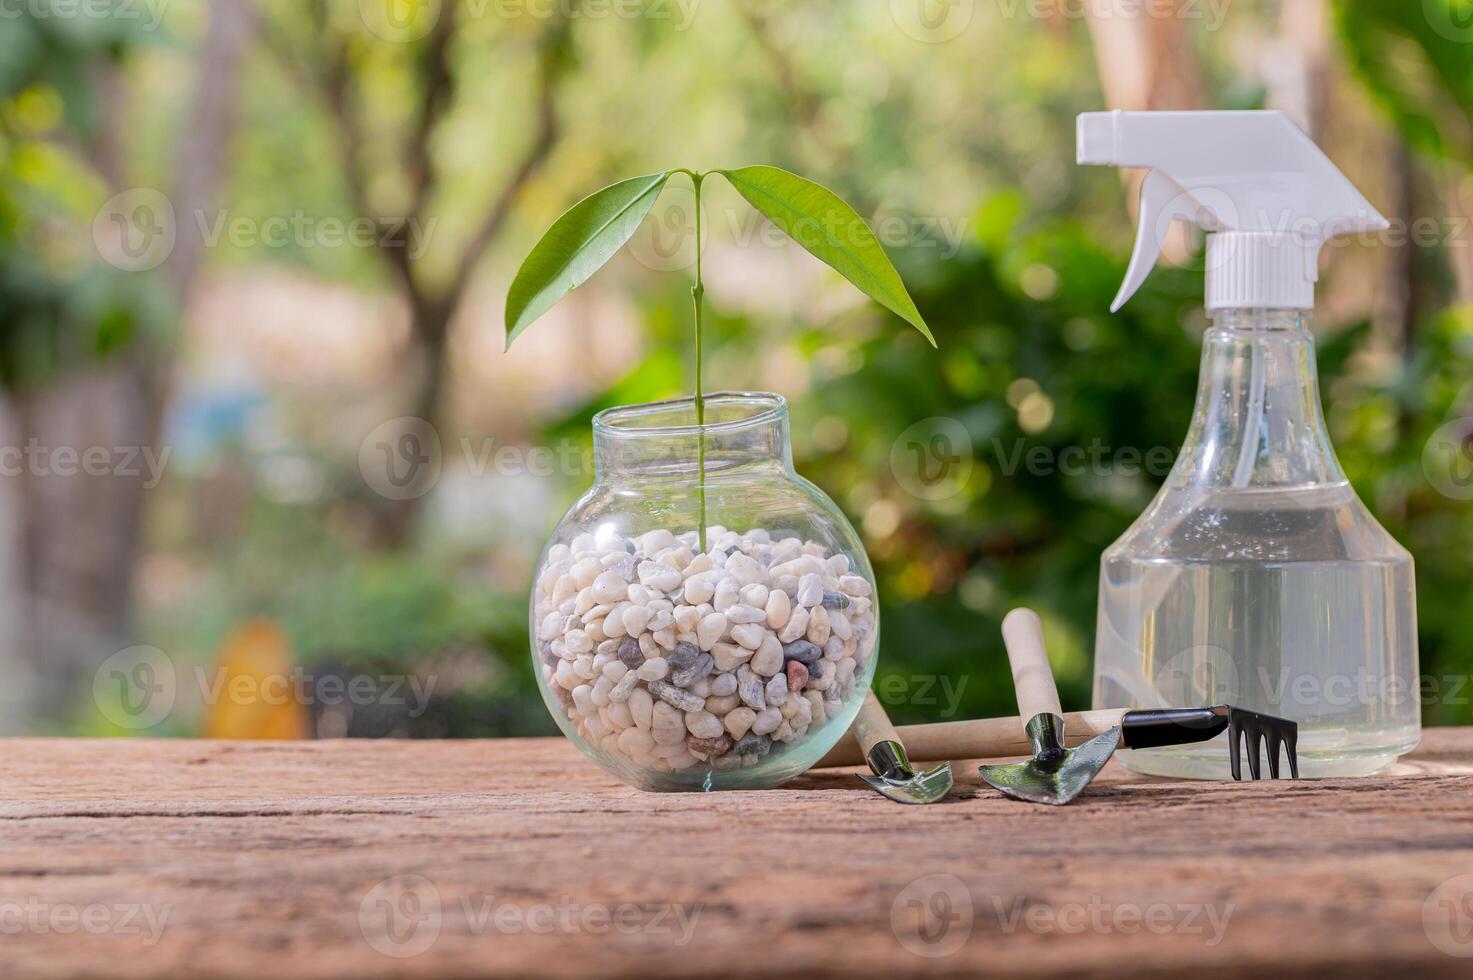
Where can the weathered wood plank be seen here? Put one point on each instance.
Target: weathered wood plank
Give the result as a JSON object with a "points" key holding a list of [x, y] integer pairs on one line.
{"points": [[206, 859]]}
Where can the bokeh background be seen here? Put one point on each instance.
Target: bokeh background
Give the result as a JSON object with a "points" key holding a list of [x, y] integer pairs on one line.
{"points": [[244, 244]]}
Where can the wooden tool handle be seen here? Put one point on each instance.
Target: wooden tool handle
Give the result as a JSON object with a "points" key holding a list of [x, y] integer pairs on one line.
{"points": [[986, 738], [872, 725], [1033, 678]]}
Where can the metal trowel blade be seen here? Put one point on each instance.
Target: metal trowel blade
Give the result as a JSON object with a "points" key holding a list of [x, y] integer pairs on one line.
{"points": [[923, 787], [1058, 781]]}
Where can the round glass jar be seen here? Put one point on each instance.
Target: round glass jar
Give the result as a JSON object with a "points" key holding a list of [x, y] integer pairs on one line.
{"points": [[678, 667]]}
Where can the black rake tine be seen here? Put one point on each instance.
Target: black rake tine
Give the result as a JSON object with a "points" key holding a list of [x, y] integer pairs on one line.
{"points": [[1273, 753], [1291, 745], [1255, 745], [1235, 731]]}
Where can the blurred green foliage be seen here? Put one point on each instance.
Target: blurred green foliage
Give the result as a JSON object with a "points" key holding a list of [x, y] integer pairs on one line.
{"points": [[1013, 262]]}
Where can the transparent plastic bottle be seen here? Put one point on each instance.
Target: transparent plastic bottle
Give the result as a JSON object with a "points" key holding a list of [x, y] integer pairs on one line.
{"points": [[1258, 578]]}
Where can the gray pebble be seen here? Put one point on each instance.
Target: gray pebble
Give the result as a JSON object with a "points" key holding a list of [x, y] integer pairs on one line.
{"points": [[629, 653], [686, 676], [804, 652], [753, 744], [675, 697], [544, 650], [749, 689], [686, 655], [835, 600], [777, 689]]}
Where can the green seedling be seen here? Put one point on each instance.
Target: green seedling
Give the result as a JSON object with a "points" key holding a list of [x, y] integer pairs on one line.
{"points": [[591, 231]]}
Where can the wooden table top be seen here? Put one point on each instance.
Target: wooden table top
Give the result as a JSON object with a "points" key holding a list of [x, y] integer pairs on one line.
{"points": [[518, 858]]}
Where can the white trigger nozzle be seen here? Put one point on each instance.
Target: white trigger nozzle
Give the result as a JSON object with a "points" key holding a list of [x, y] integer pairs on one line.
{"points": [[1163, 201]]}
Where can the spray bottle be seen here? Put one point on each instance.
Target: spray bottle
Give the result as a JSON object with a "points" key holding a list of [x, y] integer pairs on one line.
{"points": [[1256, 577]]}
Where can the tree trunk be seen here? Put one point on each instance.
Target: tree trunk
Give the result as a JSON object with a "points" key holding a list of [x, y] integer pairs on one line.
{"points": [[80, 527], [396, 518], [79, 532]]}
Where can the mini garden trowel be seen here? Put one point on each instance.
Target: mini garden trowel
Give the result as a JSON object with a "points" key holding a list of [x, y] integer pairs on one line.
{"points": [[1055, 774], [893, 775]]}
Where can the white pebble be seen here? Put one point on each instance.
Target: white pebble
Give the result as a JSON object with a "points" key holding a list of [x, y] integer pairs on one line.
{"points": [[749, 635], [618, 715], [613, 623], [635, 742], [810, 591], [601, 689], [642, 706], [609, 587], [746, 614], [726, 594], [702, 724], [767, 721], [710, 630], [686, 618], [699, 589], [754, 595], [658, 576], [854, 585], [746, 569], [729, 656], [779, 607], [634, 620], [768, 659], [738, 721], [818, 625], [797, 625], [583, 698], [585, 571], [653, 669]]}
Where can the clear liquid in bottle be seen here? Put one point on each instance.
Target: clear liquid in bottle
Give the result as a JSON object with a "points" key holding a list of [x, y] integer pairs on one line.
{"points": [[1257, 577]]}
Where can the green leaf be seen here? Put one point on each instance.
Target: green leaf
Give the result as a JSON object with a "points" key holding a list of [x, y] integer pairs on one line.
{"points": [[576, 246], [816, 218]]}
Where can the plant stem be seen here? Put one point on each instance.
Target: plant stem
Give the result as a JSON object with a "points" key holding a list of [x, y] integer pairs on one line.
{"points": [[698, 293]]}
